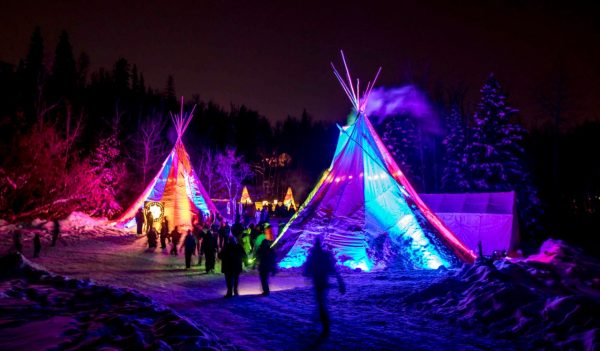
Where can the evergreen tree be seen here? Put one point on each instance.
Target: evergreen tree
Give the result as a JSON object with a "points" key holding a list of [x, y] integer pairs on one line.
{"points": [[32, 75], [135, 80], [83, 65], [63, 81], [495, 154], [108, 169], [170, 97], [34, 63], [121, 77], [454, 145], [400, 136]]}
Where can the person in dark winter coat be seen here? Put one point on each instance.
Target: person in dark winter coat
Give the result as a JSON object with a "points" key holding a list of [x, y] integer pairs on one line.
{"points": [[149, 221], [208, 248], [197, 232], [152, 238], [17, 241], [266, 264], [175, 237], [55, 232], [232, 258], [37, 245], [224, 232], [139, 220], [320, 264], [189, 244], [237, 229], [164, 233]]}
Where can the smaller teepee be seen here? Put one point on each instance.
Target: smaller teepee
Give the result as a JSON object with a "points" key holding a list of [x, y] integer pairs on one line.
{"points": [[176, 190], [245, 199], [288, 200]]}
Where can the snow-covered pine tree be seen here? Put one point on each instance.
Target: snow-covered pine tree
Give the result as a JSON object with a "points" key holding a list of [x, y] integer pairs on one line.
{"points": [[495, 156], [454, 147], [402, 139], [108, 169]]}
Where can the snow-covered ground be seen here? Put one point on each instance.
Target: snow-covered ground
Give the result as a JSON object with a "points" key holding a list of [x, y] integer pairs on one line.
{"points": [[470, 309]]}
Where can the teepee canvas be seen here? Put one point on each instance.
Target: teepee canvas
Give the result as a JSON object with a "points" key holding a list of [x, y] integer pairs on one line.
{"points": [[176, 188], [365, 210]]}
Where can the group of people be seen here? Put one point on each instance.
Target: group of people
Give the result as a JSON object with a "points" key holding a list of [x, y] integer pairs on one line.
{"points": [[37, 240], [236, 246]]}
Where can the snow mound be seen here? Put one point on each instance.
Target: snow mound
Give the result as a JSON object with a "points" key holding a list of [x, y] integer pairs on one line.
{"points": [[78, 314], [81, 220], [552, 298]]}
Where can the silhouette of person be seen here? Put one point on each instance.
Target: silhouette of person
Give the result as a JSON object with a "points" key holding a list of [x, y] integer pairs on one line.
{"points": [[266, 260], [37, 245], [208, 248], [189, 244], [175, 236], [149, 221], [232, 257], [55, 232], [164, 233], [17, 241], [320, 264], [139, 220]]}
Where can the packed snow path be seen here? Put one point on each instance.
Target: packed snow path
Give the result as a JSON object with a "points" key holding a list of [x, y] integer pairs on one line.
{"points": [[367, 317]]}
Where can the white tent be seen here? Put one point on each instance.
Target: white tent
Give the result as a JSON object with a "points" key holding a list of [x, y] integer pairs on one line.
{"points": [[487, 217]]}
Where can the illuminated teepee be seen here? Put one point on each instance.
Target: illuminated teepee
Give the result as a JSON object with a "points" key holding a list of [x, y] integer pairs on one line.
{"points": [[365, 210], [245, 199], [288, 200], [176, 191]]}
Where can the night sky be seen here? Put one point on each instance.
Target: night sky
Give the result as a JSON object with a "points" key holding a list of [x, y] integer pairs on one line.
{"points": [[274, 55]]}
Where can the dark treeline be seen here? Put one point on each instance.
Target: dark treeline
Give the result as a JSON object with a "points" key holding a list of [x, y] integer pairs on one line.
{"points": [[76, 139]]}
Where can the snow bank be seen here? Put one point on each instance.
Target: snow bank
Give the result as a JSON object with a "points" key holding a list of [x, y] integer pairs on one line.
{"points": [[551, 298], [77, 226], [42, 311]]}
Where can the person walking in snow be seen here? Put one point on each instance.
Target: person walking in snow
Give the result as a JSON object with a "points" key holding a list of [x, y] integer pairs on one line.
{"points": [[208, 248], [139, 220], [320, 264], [175, 237], [37, 245], [189, 244], [55, 232], [232, 258], [164, 232]]}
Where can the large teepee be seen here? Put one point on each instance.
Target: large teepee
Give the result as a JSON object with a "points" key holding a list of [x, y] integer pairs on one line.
{"points": [[176, 188], [365, 210]]}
